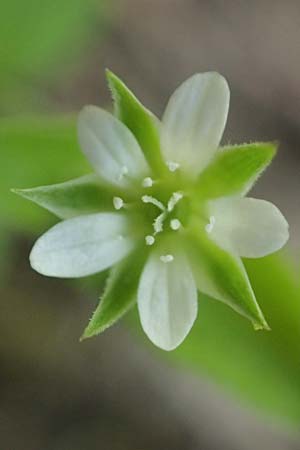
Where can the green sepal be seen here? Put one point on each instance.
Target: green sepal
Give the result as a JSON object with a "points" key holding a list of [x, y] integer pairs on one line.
{"points": [[235, 169], [222, 276], [119, 294], [142, 123], [84, 195]]}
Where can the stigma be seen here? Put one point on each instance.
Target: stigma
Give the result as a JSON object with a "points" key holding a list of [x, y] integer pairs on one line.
{"points": [[154, 201]]}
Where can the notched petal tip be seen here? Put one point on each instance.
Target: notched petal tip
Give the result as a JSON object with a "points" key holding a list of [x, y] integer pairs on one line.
{"points": [[86, 109]]}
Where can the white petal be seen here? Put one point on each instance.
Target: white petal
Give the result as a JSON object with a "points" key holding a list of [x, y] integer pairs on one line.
{"points": [[82, 246], [248, 227], [167, 300], [194, 121], [110, 146]]}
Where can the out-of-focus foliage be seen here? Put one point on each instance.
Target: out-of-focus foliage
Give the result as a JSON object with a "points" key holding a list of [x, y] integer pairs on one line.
{"points": [[261, 367], [35, 152], [36, 37]]}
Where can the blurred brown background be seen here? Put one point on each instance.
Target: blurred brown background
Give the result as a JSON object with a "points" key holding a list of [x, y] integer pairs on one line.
{"points": [[111, 393]]}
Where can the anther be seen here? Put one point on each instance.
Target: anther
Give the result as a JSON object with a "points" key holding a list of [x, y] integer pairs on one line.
{"points": [[149, 240], [118, 203], [211, 224], [147, 182], [172, 166], [175, 224], [166, 258]]}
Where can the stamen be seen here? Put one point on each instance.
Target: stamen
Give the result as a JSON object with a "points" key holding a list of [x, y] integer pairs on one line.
{"points": [[123, 172], [166, 258], [174, 199], [175, 224], [158, 223], [147, 182], [209, 227], [154, 201], [172, 166], [149, 240], [118, 203]]}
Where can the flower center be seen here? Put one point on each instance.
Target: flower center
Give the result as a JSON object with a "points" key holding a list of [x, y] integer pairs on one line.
{"points": [[166, 210], [160, 207]]}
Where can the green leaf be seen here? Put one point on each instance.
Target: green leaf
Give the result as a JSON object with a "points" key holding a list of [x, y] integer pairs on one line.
{"points": [[119, 295], [223, 277], [143, 124], [235, 169], [84, 195]]}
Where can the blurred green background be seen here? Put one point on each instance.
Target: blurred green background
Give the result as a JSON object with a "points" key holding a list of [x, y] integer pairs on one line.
{"points": [[227, 386]]}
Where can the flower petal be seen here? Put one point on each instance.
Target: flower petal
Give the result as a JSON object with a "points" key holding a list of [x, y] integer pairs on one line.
{"points": [[82, 246], [248, 227], [167, 300], [110, 147], [194, 121]]}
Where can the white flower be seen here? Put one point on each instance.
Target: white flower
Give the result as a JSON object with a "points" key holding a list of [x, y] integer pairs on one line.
{"points": [[180, 211]]}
